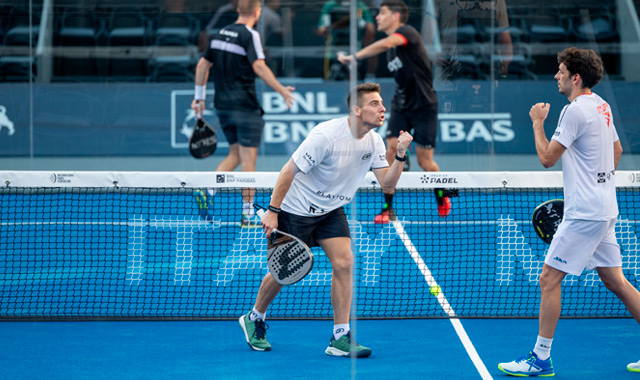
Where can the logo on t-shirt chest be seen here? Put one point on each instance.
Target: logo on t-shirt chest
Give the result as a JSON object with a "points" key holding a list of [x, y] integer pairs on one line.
{"points": [[605, 111], [394, 65]]}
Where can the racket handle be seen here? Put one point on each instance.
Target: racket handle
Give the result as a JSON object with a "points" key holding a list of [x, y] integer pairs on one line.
{"points": [[260, 213]]}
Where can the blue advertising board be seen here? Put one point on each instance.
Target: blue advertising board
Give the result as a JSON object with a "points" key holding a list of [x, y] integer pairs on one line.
{"points": [[127, 119]]}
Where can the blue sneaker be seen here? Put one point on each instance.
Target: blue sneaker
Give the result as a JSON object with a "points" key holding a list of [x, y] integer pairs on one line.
{"points": [[528, 365], [205, 204]]}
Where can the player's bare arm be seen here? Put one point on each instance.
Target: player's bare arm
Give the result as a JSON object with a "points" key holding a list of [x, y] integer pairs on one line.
{"points": [[372, 50], [548, 152], [617, 153], [283, 183], [202, 76], [263, 71], [388, 177]]}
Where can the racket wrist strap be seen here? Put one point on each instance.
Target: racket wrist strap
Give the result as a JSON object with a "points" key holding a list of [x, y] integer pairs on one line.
{"points": [[401, 159], [200, 92], [274, 209]]}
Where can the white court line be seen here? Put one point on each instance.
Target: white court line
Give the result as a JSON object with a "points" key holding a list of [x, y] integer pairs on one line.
{"points": [[457, 325]]}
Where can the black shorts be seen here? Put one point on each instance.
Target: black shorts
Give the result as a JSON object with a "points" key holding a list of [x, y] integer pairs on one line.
{"points": [[243, 127], [422, 124], [310, 229]]}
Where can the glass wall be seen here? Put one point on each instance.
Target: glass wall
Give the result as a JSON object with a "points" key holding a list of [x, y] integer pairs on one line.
{"points": [[108, 84]]}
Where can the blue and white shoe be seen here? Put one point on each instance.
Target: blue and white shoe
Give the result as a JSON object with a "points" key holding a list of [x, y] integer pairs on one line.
{"points": [[204, 199], [634, 367], [528, 365]]}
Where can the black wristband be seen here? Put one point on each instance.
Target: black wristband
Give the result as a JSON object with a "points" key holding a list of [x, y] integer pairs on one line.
{"points": [[274, 209], [401, 159]]}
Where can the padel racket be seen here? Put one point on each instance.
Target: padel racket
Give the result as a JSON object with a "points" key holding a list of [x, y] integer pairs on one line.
{"points": [[289, 259], [547, 217], [203, 140]]}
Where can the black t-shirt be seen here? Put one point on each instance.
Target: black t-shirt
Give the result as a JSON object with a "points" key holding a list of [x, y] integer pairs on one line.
{"points": [[411, 69], [232, 51]]}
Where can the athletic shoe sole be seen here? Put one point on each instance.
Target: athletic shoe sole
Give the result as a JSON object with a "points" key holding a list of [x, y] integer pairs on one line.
{"points": [[336, 352], [524, 374]]}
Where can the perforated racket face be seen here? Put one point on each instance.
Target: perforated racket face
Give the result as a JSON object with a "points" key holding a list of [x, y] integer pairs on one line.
{"points": [[203, 140], [288, 259], [547, 217]]}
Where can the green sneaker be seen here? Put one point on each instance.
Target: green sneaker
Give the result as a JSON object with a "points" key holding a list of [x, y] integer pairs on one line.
{"points": [[255, 333], [344, 345]]}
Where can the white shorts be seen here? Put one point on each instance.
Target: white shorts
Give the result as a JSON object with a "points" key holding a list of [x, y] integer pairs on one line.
{"points": [[580, 244]]}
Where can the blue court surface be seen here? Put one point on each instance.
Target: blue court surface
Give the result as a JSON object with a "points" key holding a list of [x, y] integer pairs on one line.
{"points": [[402, 349]]}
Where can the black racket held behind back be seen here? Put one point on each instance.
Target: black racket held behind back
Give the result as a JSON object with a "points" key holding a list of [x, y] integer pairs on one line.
{"points": [[547, 217], [289, 259], [203, 140]]}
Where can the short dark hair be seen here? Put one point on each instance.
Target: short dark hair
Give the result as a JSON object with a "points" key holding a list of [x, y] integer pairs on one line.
{"points": [[248, 6], [361, 90], [397, 6], [584, 62]]}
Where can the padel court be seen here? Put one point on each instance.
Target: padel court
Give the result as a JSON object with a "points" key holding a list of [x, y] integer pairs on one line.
{"points": [[124, 275]]}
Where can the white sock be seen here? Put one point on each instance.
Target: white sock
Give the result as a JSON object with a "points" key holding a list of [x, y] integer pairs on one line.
{"points": [[543, 348], [340, 330], [247, 208], [255, 314]]}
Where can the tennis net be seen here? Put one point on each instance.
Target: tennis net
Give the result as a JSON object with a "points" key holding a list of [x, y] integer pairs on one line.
{"points": [[103, 245]]}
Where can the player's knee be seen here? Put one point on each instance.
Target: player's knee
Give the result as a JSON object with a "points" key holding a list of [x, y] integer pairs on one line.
{"points": [[615, 285], [428, 165], [548, 283], [343, 264]]}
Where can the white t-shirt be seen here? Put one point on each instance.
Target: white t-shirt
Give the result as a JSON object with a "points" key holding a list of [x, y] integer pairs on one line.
{"points": [[333, 164], [586, 129]]}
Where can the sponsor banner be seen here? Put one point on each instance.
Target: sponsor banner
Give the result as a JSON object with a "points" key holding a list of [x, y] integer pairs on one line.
{"points": [[408, 180], [627, 178], [115, 119], [460, 180], [105, 179]]}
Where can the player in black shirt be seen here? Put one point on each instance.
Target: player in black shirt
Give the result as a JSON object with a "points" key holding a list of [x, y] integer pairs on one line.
{"points": [[236, 54], [414, 107]]}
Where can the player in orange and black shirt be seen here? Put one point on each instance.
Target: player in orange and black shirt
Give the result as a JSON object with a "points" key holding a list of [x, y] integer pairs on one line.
{"points": [[414, 107]]}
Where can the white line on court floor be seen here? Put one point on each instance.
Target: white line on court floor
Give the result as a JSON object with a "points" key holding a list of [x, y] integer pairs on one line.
{"points": [[437, 292]]}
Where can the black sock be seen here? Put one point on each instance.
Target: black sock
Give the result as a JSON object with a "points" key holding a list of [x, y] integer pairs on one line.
{"points": [[388, 201]]}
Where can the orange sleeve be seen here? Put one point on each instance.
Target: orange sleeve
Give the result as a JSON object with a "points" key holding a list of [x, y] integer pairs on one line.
{"points": [[403, 38]]}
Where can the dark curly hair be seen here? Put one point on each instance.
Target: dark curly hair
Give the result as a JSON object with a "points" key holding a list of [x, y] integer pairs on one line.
{"points": [[584, 62]]}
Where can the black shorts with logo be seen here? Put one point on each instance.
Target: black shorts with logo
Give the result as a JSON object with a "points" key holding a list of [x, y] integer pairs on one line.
{"points": [[310, 229], [243, 127], [422, 124]]}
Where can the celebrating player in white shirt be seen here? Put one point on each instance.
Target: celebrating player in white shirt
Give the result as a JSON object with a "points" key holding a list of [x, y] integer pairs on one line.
{"points": [[586, 139], [321, 177]]}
